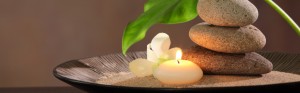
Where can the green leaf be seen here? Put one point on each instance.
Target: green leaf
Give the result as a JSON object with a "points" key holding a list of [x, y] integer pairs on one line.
{"points": [[158, 11], [151, 3]]}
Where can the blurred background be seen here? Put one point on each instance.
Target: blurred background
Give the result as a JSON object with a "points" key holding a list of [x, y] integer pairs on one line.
{"points": [[37, 35]]}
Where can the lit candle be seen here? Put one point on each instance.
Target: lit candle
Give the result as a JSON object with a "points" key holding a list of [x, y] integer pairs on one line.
{"points": [[178, 72]]}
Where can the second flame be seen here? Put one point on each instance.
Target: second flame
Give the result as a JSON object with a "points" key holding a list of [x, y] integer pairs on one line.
{"points": [[178, 55]]}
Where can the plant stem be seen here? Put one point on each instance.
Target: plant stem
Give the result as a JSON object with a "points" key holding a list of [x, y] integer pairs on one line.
{"points": [[285, 16]]}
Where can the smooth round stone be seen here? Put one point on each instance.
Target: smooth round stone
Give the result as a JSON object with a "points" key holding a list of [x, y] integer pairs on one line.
{"points": [[227, 12], [228, 39], [228, 64]]}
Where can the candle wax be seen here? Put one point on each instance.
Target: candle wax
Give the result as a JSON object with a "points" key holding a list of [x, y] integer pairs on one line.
{"points": [[183, 72], [141, 67]]}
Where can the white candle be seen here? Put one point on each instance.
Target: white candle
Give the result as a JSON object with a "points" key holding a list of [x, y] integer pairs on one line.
{"points": [[141, 67], [178, 72]]}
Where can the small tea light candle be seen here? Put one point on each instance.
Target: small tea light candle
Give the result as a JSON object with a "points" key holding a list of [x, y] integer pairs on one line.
{"points": [[178, 72]]}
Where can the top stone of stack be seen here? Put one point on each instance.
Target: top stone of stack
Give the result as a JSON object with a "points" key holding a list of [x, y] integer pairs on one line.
{"points": [[232, 13], [226, 32]]}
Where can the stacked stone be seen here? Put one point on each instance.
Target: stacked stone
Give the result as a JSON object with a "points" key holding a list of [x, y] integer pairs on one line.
{"points": [[226, 41]]}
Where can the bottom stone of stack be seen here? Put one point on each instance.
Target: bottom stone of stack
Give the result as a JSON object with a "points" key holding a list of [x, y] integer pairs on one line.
{"points": [[212, 62]]}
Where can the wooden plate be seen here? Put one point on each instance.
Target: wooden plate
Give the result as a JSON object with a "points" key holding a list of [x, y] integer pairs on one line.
{"points": [[83, 74]]}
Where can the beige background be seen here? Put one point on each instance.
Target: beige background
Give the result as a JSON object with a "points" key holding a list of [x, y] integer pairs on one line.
{"points": [[37, 35]]}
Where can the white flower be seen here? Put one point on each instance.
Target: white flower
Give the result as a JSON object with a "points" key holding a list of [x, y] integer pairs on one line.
{"points": [[159, 48], [158, 51]]}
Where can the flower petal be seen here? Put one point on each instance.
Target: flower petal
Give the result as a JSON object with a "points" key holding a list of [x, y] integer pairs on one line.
{"points": [[151, 55], [160, 43]]}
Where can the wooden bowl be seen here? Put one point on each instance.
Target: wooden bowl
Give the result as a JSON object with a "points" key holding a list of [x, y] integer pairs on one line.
{"points": [[84, 73]]}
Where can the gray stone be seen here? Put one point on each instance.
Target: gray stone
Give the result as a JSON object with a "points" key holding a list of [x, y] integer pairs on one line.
{"points": [[229, 64], [228, 39], [227, 12]]}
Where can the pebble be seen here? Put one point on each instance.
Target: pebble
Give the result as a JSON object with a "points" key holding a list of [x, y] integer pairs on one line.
{"points": [[228, 39], [232, 13], [228, 64]]}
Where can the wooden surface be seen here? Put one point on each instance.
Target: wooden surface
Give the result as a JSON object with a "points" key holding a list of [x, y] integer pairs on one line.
{"points": [[41, 90]]}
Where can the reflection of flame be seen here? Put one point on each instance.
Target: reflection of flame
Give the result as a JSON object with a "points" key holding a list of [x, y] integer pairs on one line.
{"points": [[178, 55]]}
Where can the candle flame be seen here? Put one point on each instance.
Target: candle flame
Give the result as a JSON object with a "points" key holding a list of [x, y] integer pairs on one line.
{"points": [[178, 55]]}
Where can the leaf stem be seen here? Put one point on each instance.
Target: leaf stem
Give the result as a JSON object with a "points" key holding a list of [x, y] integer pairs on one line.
{"points": [[285, 16]]}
